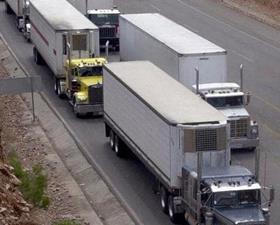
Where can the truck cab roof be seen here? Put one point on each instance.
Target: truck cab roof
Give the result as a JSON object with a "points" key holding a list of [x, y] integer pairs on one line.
{"points": [[219, 89], [87, 62], [232, 178], [103, 11]]}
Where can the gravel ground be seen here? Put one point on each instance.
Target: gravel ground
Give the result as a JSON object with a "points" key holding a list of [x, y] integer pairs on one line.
{"points": [[19, 134], [267, 13]]}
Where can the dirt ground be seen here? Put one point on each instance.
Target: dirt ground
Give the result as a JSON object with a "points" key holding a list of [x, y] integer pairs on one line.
{"points": [[269, 9], [18, 134]]}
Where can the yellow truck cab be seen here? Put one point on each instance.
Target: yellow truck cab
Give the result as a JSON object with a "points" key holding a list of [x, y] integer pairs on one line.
{"points": [[84, 85]]}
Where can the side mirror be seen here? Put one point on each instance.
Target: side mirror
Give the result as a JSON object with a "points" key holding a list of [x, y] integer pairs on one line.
{"points": [[247, 98], [271, 194]]}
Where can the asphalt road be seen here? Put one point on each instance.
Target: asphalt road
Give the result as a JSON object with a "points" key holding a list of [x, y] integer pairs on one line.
{"points": [[255, 45]]}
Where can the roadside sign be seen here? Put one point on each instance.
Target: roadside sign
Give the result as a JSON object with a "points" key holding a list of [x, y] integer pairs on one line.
{"points": [[14, 86]]}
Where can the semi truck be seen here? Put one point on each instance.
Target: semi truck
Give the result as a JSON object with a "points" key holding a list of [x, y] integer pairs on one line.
{"points": [[18, 7], [69, 44], [107, 21], [104, 15], [179, 52], [184, 142]]}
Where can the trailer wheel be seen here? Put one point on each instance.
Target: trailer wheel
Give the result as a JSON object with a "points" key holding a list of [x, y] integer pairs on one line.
{"points": [[174, 217], [55, 86], [37, 57], [119, 147], [164, 199], [8, 9], [112, 139], [59, 91]]}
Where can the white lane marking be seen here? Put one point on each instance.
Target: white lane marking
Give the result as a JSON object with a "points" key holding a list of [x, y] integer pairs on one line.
{"points": [[267, 103], [228, 25], [243, 56], [156, 8]]}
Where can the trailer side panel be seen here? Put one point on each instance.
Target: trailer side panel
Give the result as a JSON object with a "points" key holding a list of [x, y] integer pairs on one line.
{"points": [[138, 45], [148, 133]]}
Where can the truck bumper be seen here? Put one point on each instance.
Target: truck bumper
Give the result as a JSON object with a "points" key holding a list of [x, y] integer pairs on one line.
{"points": [[27, 36], [87, 108], [240, 143]]}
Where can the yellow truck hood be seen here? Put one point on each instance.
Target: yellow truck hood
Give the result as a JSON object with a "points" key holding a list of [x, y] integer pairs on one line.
{"points": [[92, 80]]}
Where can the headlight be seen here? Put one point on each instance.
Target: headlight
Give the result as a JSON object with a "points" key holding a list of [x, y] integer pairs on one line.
{"points": [[81, 98], [254, 130]]}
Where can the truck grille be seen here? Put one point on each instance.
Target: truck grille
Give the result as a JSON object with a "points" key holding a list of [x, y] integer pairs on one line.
{"points": [[238, 128], [95, 94], [205, 139], [107, 32]]}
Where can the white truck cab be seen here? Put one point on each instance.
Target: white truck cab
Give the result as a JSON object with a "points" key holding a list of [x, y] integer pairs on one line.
{"points": [[229, 99]]}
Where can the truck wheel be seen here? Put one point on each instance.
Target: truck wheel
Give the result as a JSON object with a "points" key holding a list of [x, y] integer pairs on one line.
{"points": [[112, 139], [77, 114], [37, 57], [174, 217], [59, 90], [55, 86], [164, 199], [119, 150]]}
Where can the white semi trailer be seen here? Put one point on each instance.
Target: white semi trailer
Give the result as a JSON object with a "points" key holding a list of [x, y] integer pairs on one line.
{"points": [[84, 5], [183, 141], [179, 51], [67, 41], [18, 7], [57, 33]]}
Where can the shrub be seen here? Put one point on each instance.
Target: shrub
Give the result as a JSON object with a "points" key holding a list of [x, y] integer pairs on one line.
{"points": [[67, 222], [33, 183]]}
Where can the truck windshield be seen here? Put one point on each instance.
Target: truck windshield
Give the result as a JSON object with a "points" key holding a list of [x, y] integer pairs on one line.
{"points": [[104, 19], [90, 71], [225, 101], [236, 198]]}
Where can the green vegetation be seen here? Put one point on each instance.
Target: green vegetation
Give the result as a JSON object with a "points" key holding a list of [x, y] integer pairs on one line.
{"points": [[33, 183], [67, 222]]}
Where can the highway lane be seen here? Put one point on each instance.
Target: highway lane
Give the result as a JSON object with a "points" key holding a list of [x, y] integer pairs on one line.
{"points": [[130, 177], [257, 47], [260, 54]]}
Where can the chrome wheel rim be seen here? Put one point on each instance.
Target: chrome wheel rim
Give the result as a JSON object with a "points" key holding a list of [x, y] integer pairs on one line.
{"points": [[111, 139]]}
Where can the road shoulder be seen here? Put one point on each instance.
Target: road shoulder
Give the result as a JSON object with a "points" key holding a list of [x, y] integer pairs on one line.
{"points": [[94, 199], [267, 16]]}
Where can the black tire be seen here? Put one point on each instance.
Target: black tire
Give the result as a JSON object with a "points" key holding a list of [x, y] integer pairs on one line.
{"points": [[59, 91], [174, 217], [164, 199], [55, 86], [8, 9], [119, 147], [77, 114], [112, 139], [37, 57]]}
